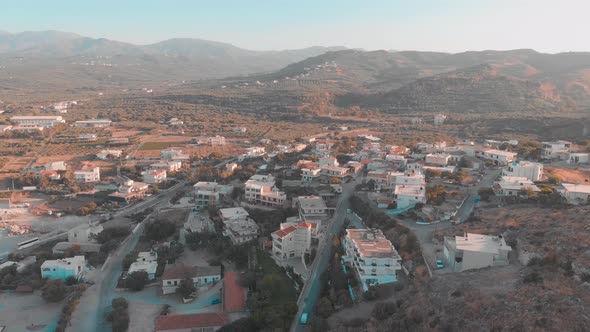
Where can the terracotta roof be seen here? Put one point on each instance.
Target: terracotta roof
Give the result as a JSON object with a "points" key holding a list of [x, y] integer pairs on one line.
{"points": [[234, 295], [284, 232], [365, 161], [307, 225], [178, 271], [190, 321], [383, 201]]}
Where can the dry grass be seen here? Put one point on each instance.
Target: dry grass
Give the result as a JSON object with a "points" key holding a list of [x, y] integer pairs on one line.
{"points": [[570, 175]]}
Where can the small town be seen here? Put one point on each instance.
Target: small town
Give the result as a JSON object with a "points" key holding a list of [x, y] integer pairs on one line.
{"points": [[170, 240], [294, 166]]}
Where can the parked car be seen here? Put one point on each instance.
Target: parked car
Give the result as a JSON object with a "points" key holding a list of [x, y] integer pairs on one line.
{"points": [[439, 264], [215, 301]]}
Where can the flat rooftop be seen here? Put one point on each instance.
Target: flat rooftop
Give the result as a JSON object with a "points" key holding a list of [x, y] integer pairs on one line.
{"points": [[311, 202], [481, 243], [372, 243]]}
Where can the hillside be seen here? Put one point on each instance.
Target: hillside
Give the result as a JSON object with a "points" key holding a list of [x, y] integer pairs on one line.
{"points": [[479, 89]]}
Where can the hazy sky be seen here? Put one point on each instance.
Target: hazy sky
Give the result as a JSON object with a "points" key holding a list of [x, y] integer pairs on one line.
{"points": [[436, 25]]}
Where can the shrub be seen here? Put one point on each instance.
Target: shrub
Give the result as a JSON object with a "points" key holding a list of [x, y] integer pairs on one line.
{"points": [[53, 290], [137, 280], [384, 310], [533, 277]]}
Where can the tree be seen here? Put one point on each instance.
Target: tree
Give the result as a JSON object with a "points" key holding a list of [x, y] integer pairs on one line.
{"points": [[436, 193], [159, 230], [186, 288], [324, 307], [553, 179], [384, 310], [53, 290], [485, 193], [120, 315], [137, 280]]}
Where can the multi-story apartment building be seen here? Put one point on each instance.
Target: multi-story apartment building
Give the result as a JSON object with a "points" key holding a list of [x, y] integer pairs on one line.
{"points": [[499, 157], [407, 196], [309, 174], [260, 189], [372, 256], [312, 209], [238, 225], [292, 240], [209, 193], [153, 176]]}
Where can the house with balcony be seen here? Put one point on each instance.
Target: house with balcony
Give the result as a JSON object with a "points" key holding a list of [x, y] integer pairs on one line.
{"points": [[260, 189], [408, 195], [475, 251], [89, 176], [312, 209], [63, 268], [292, 240], [238, 225], [499, 157], [129, 190], [309, 175], [208, 193], [153, 176], [372, 256], [556, 149], [170, 166], [514, 186]]}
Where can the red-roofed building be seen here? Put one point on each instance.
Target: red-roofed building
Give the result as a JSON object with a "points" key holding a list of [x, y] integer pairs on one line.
{"points": [[234, 295], [292, 240], [210, 321]]}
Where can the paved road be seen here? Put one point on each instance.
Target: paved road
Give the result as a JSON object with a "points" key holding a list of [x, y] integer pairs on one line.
{"points": [[90, 313], [311, 291], [486, 181]]}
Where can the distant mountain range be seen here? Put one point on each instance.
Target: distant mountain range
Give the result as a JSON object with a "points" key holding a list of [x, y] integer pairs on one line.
{"points": [[194, 57]]}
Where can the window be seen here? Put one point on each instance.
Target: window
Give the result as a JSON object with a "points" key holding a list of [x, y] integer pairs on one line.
{"points": [[169, 282]]}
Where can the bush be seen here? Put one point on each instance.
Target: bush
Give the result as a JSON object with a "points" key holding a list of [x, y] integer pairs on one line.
{"points": [[324, 307], [383, 310], [186, 288], [137, 280], [159, 230], [71, 280], [53, 290], [533, 277], [120, 315]]}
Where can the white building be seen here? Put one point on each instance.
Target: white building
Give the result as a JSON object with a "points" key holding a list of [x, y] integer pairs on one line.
{"points": [[578, 158], [292, 240], [328, 161], [312, 209], [527, 169], [309, 174], [94, 123], [209, 193], [475, 251], [148, 267], [63, 268], [153, 176], [373, 257], [43, 121], [407, 196], [90, 176], [255, 151], [513, 186], [438, 159], [439, 119], [109, 154], [238, 225], [260, 189], [84, 234], [575, 193], [334, 171], [556, 149], [200, 275], [230, 167], [499, 157], [169, 165]]}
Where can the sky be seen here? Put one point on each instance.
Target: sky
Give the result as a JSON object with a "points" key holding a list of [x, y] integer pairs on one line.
{"points": [[427, 25]]}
